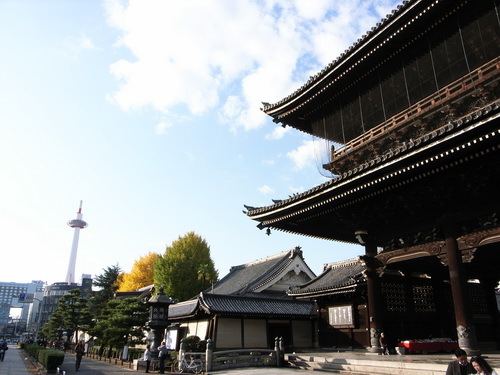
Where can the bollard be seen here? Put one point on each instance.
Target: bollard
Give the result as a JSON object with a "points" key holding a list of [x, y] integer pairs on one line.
{"points": [[282, 351], [209, 355], [277, 350], [182, 351]]}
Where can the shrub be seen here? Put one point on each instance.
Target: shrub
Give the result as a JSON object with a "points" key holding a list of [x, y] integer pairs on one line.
{"points": [[48, 358], [194, 344]]}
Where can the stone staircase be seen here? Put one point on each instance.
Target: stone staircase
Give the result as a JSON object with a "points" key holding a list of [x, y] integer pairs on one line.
{"points": [[371, 365]]}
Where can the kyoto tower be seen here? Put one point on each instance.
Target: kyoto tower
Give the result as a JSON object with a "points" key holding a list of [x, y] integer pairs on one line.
{"points": [[78, 224]]}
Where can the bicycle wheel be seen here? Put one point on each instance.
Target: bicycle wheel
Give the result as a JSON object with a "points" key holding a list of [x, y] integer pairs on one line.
{"points": [[179, 366], [173, 365], [198, 368]]}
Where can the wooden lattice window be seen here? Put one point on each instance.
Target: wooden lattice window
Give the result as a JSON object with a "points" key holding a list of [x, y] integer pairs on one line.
{"points": [[479, 300], [424, 299], [394, 294]]}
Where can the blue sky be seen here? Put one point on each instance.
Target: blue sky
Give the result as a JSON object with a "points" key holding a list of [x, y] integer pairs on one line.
{"points": [[149, 112]]}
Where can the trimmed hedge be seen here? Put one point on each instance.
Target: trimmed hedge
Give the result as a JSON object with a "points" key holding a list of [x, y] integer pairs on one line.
{"points": [[48, 358], [133, 353]]}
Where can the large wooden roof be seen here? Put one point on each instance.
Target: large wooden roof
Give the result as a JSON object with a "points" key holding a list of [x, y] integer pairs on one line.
{"points": [[337, 278], [394, 182], [252, 278], [393, 34], [223, 305], [454, 169], [244, 291]]}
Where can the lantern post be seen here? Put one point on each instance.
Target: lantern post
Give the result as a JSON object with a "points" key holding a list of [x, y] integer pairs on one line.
{"points": [[158, 318]]}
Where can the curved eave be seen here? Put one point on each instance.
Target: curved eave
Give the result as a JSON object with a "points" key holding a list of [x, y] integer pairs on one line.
{"points": [[337, 278], [369, 174], [365, 47], [312, 293], [183, 310], [240, 306]]}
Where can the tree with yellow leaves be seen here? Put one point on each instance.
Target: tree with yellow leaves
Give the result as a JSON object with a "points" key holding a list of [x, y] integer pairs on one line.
{"points": [[141, 275]]}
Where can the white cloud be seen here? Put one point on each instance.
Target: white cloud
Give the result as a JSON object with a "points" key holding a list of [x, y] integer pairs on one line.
{"points": [[266, 189], [161, 128], [229, 54], [86, 43], [303, 156], [278, 133], [73, 46]]}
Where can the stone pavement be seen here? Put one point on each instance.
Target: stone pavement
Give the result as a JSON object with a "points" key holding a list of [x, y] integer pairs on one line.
{"points": [[440, 361], [94, 367], [14, 363], [493, 357]]}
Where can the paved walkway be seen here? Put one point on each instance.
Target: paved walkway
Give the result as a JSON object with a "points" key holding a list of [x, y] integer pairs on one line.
{"points": [[16, 363], [93, 367]]}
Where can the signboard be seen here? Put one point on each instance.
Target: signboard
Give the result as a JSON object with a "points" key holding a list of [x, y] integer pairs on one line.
{"points": [[26, 298], [341, 316], [171, 339]]}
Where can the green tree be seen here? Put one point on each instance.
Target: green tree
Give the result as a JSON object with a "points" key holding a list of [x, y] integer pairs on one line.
{"points": [[185, 267], [123, 322], [107, 284], [71, 315], [53, 328]]}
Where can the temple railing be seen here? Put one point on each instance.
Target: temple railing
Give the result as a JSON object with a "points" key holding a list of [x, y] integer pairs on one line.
{"points": [[458, 89], [243, 358]]}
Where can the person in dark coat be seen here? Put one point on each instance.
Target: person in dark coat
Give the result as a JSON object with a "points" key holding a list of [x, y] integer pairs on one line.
{"points": [[383, 344], [460, 366], [79, 352], [163, 356]]}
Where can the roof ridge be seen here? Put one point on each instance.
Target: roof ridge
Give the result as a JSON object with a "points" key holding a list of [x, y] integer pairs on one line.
{"points": [[296, 249], [313, 79], [342, 263]]}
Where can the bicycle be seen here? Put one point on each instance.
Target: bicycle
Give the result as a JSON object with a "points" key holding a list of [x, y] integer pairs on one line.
{"points": [[193, 365]]}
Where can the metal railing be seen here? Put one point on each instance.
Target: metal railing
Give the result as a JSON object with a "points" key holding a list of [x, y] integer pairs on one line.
{"points": [[441, 97]]}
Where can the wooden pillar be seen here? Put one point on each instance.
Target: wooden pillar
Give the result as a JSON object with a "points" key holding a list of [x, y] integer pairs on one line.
{"points": [[373, 291], [461, 301]]}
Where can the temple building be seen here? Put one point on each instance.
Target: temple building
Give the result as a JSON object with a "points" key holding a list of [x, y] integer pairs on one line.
{"points": [[249, 307], [411, 114]]}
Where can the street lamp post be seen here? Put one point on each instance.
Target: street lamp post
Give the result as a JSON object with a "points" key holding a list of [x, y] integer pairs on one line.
{"points": [[158, 318], [37, 317]]}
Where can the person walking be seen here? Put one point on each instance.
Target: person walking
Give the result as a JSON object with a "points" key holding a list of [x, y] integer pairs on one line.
{"points": [[3, 348], [481, 366], [79, 352], [147, 357], [460, 366], [163, 356], [383, 344]]}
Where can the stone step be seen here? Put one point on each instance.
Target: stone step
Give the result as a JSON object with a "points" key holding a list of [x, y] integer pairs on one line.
{"points": [[367, 366]]}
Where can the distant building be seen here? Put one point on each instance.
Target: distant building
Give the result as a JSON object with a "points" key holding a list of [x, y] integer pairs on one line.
{"points": [[33, 323], [54, 292], [9, 298]]}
